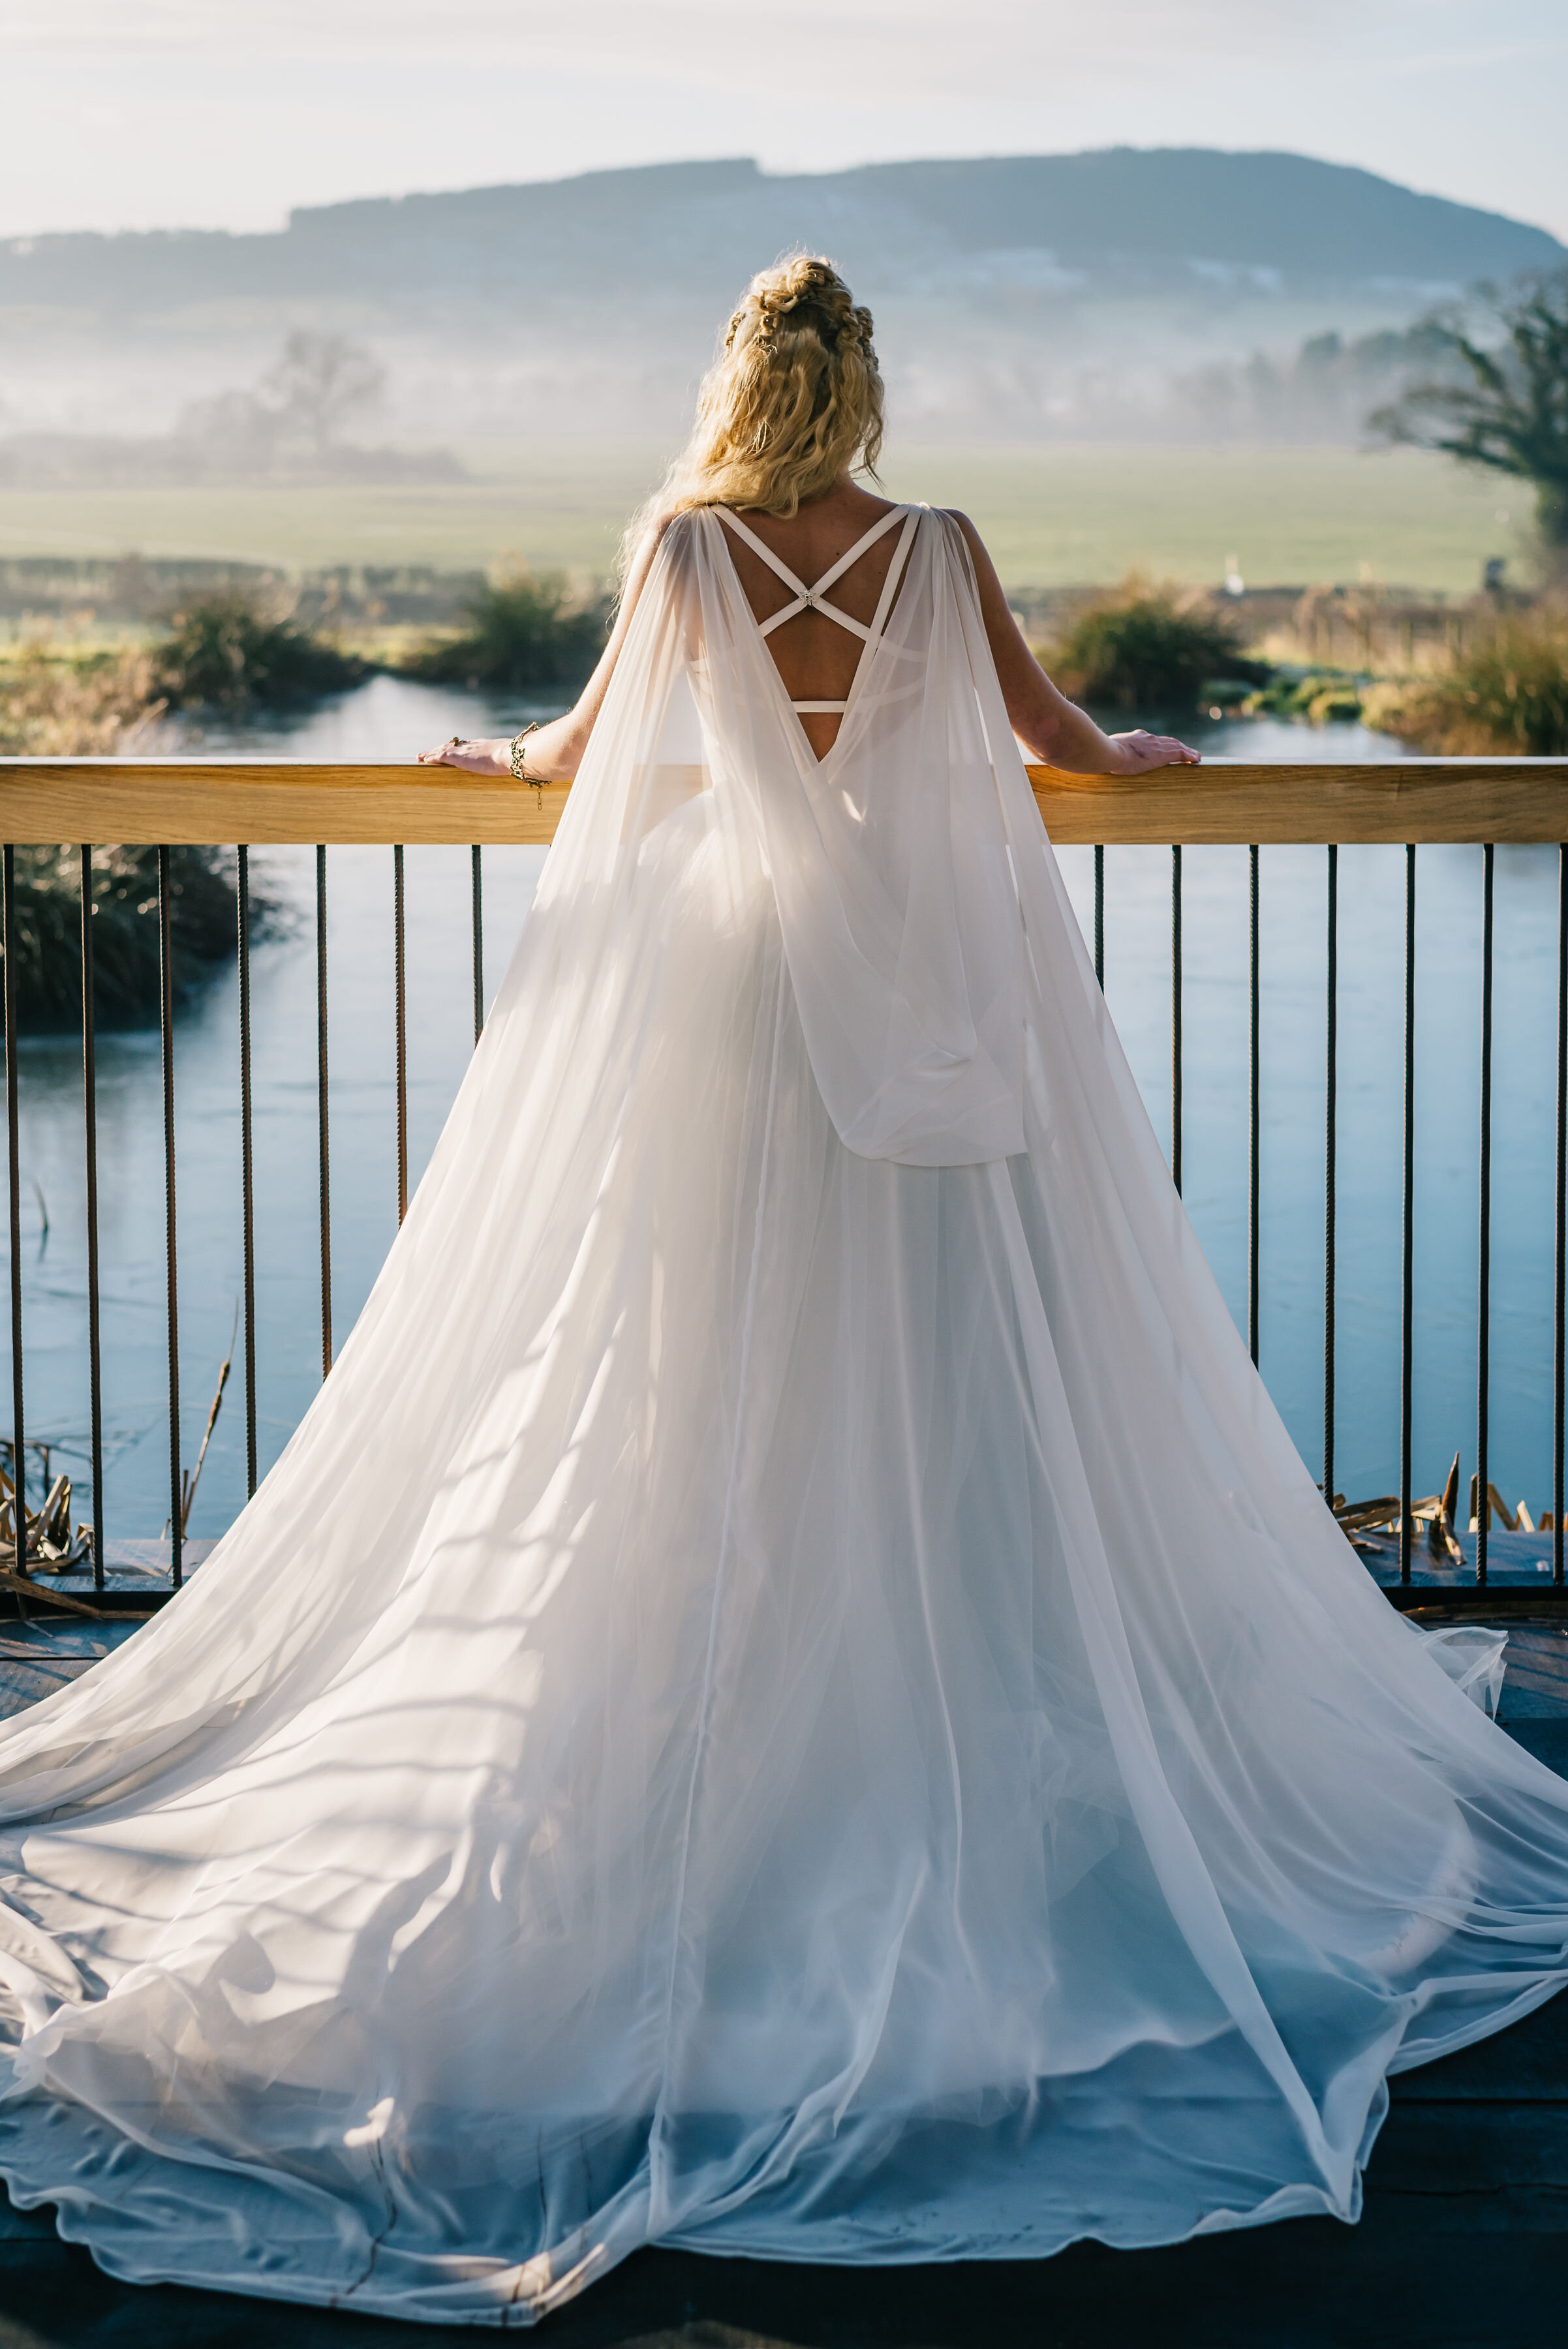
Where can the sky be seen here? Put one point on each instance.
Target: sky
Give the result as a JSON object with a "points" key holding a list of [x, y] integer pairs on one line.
{"points": [[226, 113]]}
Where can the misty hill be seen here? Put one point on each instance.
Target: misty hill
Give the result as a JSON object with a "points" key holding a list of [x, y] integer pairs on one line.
{"points": [[1176, 293], [1020, 229]]}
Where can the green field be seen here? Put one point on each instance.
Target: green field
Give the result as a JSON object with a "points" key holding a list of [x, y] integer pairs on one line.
{"points": [[1053, 515]]}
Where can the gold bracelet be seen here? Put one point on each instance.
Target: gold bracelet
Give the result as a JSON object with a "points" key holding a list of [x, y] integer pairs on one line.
{"points": [[519, 769]]}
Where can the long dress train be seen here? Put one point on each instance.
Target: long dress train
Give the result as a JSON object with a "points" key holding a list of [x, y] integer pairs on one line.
{"points": [[791, 1695]]}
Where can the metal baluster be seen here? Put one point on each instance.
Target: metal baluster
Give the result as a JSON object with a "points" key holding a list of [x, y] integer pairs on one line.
{"points": [[402, 1035], [1176, 1014], [1407, 1242], [13, 1158], [1253, 1090], [166, 1035], [247, 1166], [323, 1134], [1483, 1300], [475, 853], [90, 1126], [1559, 1325], [1100, 917], [1329, 1148]]}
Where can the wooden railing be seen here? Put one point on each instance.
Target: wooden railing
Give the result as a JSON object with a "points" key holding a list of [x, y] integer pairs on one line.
{"points": [[277, 801]]}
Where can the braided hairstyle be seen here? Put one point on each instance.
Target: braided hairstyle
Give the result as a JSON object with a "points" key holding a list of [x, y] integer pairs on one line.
{"points": [[794, 401]]}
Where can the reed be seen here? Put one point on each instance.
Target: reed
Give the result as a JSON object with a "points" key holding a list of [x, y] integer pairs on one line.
{"points": [[61, 703], [1506, 693]]}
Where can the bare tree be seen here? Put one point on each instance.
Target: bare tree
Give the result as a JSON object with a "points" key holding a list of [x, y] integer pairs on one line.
{"points": [[1511, 414], [321, 383]]}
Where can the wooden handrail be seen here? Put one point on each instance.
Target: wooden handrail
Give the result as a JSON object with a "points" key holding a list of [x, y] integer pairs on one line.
{"points": [[277, 801]]}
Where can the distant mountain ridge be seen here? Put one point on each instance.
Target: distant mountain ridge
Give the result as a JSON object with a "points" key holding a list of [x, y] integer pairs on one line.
{"points": [[1035, 228]]}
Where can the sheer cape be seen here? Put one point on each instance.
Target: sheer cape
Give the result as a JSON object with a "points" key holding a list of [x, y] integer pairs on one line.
{"points": [[791, 1695]]}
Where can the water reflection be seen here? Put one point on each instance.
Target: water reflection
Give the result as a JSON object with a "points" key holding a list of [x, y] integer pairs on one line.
{"points": [[388, 719]]}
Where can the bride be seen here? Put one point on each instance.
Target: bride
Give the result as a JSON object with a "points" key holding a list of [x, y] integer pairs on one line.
{"points": [[791, 1695]]}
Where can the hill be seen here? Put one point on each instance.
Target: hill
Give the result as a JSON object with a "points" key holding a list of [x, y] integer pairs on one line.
{"points": [[1014, 228]]}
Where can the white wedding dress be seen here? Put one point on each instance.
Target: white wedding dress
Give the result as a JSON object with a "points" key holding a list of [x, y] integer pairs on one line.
{"points": [[791, 1695]]}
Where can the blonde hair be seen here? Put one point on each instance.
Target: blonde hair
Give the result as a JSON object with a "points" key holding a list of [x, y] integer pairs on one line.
{"points": [[793, 400]]}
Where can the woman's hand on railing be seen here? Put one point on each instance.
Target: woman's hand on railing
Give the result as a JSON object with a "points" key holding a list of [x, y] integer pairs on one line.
{"points": [[1139, 750], [480, 757]]}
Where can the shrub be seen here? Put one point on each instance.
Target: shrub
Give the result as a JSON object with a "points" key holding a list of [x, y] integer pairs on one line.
{"points": [[1150, 647], [1507, 694], [125, 930], [225, 651], [1319, 694], [521, 631]]}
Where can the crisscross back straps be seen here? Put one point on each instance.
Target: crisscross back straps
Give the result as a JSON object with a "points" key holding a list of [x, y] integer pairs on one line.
{"points": [[810, 599]]}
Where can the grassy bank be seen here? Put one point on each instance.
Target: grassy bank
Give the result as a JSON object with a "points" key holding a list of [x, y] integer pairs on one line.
{"points": [[1051, 515]]}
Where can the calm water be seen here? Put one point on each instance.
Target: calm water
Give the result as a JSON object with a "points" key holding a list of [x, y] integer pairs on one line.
{"points": [[387, 719]]}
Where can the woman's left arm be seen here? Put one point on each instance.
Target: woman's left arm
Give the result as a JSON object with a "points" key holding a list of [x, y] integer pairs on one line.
{"points": [[553, 753], [1050, 727]]}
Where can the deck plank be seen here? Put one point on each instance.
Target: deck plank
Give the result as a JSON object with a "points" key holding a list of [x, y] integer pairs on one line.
{"points": [[1306, 2284]]}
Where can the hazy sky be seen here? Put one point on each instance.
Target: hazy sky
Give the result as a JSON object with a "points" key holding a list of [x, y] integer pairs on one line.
{"points": [[223, 113]]}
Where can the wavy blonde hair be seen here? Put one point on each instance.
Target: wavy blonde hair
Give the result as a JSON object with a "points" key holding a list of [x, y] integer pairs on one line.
{"points": [[793, 400]]}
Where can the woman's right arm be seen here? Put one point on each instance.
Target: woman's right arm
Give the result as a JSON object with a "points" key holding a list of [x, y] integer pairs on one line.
{"points": [[1050, 727], [553, 752]]}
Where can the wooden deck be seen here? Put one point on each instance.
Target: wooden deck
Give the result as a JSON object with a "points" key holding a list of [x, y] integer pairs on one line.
{"points": [[1464, 2244]]}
